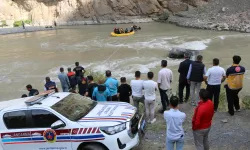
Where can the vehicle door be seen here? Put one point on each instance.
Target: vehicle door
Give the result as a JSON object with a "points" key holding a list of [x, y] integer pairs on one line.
{"points": [[43, 136], [17, 135]]}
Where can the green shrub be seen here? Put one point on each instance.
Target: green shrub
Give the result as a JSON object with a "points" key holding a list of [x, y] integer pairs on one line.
{"points": [[3, 23], [27, 21], [96, 75], [246, 102], [19, 23]]}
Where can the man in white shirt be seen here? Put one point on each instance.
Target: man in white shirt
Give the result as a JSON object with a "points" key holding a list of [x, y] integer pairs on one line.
{"points": [[150, 87], [174, 119], [165, 78], [137, 87], [213, 78]]}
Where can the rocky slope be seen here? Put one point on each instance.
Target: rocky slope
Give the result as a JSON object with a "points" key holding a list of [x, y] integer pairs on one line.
{"points": [[233, 15], [45, 12]]}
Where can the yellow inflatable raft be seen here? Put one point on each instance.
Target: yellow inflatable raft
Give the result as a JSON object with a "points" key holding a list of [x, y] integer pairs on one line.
{"points": [[123, 34]]}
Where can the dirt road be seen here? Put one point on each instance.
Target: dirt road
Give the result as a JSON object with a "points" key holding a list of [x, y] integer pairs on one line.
{"points": [[232, 135]]}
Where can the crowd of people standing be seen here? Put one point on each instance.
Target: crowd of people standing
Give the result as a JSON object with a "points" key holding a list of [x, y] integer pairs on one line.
{"points": [[192, 74]]}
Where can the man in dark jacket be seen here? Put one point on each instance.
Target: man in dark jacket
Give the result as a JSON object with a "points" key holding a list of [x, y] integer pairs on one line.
{"points": [[32, 92], [183, 70], [91, 86], [72, 79], [50, 85], [195, 75]]}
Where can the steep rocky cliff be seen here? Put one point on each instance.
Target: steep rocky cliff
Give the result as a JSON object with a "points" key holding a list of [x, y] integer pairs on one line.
{"points": [[44, 12]]}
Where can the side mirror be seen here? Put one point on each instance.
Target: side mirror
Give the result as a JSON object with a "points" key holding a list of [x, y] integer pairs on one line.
{"points": [[58, 124]]}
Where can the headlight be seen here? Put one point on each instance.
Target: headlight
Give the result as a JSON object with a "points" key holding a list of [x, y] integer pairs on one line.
{"points": [[114, 129]]}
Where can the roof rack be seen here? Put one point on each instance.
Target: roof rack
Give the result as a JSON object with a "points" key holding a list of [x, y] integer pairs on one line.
{"points": [[38, 98]]}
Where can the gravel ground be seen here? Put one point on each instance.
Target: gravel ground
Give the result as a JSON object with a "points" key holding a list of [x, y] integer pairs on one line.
{"points": [[233, 15], [232, 135]]}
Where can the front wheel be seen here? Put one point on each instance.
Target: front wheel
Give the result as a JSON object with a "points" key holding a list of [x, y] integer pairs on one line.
{"points": [[93, 147]]}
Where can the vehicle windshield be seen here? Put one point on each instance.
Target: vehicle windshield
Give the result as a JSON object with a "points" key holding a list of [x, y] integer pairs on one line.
{"points": [[74, 106]]}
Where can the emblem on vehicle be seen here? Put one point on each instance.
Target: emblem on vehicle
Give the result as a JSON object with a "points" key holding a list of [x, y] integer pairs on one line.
{"points": [[49, 135]]}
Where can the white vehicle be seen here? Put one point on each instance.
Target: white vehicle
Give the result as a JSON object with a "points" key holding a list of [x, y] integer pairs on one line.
{"points": [[66, 121]]}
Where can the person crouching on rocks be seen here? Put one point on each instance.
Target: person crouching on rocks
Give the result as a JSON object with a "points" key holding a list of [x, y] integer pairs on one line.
{"points": [[101, 93]]}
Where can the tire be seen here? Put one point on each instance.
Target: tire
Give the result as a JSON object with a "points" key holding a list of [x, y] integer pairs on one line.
{"points": [[93, 147]]}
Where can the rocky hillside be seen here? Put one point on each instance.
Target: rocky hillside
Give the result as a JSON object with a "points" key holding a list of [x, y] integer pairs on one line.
{"points": [[45, 12], [233, 15]]}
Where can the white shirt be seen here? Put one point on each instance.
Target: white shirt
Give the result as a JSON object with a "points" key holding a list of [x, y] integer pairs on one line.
{"points": [[174, 119], [215, 75], [137, 87], [150, 87], [165, 77]]}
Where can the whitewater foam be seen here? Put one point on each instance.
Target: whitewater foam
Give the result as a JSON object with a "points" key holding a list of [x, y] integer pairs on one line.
{"points": [[159, 43]]}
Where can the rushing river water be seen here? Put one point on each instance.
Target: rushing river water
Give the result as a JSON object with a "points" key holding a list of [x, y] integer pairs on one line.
{"points": [[27, 58]]}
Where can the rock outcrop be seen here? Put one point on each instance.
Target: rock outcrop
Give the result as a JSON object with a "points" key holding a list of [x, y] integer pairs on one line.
{"points": [[221, 15], [178, 53], [45, 12]]}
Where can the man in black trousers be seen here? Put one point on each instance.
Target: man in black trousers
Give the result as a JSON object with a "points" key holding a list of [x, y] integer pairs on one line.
{"points": [[235, 77], [213, 78], [183, 70]]}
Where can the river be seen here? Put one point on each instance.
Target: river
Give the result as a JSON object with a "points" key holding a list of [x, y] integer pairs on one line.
{"points": [[27, 58]]}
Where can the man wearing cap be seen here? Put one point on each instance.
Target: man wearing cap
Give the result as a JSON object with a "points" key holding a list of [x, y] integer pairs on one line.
{"points": [[183, 70]]}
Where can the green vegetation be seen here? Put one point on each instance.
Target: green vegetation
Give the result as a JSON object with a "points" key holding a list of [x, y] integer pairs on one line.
{"points": [[223, 100], [28, 22], [19, 23], [96, 75], [246, 102], [3, 23]]}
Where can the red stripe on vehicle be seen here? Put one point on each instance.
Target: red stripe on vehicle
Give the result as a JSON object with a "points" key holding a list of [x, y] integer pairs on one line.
{"points": [[85, 130], [74, 131], [98, 131], [89, 130], [94, 130], [88, 140], [80, 131], [25, 142]]}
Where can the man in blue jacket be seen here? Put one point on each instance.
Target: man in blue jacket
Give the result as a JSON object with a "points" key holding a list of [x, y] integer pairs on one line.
{"points": [[112, 85], [101, 93]]}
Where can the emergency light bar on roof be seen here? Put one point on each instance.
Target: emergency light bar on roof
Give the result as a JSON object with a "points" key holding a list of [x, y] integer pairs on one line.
{"points": [[39, 98]]}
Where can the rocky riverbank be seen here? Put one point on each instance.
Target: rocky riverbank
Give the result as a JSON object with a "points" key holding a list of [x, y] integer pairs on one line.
{"points": [[222, 15], [21, 30]]}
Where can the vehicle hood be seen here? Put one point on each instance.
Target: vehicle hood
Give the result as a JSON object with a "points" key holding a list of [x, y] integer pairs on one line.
{"points": [[109, 114]]}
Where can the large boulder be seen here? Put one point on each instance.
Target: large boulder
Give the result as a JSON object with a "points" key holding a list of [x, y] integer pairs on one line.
{"points": [[177, 6], [178, 53]]}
